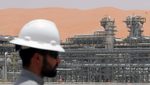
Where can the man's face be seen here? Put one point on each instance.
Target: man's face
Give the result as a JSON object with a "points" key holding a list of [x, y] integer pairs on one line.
{"points": [[50, 64]]}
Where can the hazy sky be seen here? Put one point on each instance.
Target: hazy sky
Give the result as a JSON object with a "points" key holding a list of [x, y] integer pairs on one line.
{"points": [[81, 4]]}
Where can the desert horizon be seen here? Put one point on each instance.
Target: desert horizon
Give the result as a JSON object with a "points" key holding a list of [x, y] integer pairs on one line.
{"points": [[70, 22]]}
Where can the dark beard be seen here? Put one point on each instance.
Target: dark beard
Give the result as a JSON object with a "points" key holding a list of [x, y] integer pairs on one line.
{"points": [[48, 70]]}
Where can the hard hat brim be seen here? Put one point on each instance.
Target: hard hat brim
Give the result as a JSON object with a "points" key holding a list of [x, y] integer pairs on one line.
{"points": [[33, 44]]}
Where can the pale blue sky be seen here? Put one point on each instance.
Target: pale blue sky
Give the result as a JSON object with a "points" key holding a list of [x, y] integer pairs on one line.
{"points": [[81, 4]]}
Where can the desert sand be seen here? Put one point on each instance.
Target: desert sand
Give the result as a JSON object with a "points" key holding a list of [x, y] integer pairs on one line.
{"points": [[70, 21]]}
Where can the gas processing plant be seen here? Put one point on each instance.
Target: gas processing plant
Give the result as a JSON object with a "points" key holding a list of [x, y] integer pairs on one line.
{"points": [[97, 57]]}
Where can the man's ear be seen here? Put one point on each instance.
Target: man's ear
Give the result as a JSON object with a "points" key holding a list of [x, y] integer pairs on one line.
{"points": [[37, 58]]}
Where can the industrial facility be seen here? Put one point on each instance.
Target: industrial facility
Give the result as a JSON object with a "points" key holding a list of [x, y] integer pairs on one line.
{"points": [[97, 57], [102, 57]]}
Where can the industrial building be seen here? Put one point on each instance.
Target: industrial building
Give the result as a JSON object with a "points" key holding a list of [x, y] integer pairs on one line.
{"points": [[97, 57], [102, 57]]}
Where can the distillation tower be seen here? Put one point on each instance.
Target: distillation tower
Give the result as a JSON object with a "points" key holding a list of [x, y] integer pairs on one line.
{"points": [[135, 25], [109, 25]]}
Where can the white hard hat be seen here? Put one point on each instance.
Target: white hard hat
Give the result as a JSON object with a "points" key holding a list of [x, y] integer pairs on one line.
{"points": [[40, 34]]}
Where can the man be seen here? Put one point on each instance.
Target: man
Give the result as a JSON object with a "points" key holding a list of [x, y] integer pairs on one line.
{"points": [[39, 46]]}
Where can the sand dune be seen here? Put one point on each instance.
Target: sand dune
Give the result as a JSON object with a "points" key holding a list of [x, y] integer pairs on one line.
{"points": [[69, 21]]}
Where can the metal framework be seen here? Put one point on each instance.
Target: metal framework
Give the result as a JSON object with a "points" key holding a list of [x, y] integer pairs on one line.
{"points": [[98, 57], [105, 58], [135, 25]]}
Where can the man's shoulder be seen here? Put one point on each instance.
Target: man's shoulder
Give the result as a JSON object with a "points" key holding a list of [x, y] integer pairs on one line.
{"points": [[28, 82], [22, 80], [28, 78]]}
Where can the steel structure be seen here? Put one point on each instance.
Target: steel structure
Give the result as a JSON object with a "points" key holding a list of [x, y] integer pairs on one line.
{"points": [[135, 25], [98, 57], [101, 57]]}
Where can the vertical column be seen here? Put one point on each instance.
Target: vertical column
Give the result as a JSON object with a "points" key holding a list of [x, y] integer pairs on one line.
{"points": [[109, 26]]}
